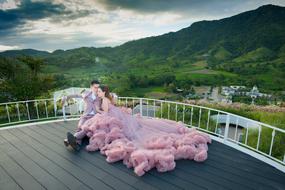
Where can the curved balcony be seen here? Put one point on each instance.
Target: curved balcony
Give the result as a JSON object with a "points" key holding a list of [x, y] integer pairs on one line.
{"points": [[245, 154]]}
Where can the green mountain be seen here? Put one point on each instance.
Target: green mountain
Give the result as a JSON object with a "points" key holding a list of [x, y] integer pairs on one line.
{"points": [[248, 44], [29, 52], [238, 35]]}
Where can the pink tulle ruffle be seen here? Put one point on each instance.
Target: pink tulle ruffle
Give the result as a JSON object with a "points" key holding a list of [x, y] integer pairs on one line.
{"points": [[159, 151]]}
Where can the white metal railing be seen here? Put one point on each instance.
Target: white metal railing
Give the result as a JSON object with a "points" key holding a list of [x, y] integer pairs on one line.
{"points": [[12, 113], [260, 140], [264, 142]]}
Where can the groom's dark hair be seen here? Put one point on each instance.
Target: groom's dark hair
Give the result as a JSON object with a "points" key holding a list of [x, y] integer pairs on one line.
{"points": [[94, 82]]}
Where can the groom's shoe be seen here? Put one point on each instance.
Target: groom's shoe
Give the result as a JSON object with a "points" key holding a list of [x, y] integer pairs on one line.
{"points": [[66, 143], [72, 140]]}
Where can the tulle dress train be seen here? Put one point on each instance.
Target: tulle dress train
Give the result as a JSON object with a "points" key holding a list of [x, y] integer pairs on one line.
{"points": [[144, 143]]}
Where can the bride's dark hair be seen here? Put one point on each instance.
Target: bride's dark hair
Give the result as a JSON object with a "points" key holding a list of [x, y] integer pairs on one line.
{"points": [[107, 92]]}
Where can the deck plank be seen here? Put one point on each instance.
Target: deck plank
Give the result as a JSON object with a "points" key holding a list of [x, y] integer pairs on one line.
{"points": [[78, 173], [40, 174], [75, 158], [58, 140], [34, 157], [22, 177], [7, 182], [245, 168], [53, 168], [60, 133], [166, 177], [212, 173], [245, 160], [128, 177], [194, 182], [221, 164]]}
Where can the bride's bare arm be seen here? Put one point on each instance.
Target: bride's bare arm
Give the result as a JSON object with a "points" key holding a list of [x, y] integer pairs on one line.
{"points": [[98, 110], [105, 105]]}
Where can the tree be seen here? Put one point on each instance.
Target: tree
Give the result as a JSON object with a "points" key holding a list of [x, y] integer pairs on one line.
{"points": [[34, 64], [20, 81], [171, 87], [7, 69]]}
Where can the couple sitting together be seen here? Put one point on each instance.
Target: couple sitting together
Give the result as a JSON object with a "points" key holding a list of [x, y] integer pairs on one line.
{"points": [[140, 142]]}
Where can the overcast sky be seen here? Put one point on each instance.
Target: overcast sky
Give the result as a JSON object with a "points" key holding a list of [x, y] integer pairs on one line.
{"points": [[66, 24]]}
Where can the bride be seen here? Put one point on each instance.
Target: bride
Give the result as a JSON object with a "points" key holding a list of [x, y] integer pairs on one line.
{"points": [[142, 143]]}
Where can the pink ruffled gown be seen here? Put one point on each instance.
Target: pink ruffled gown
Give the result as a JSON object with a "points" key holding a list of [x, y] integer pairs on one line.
{"points": [[144, 143]]}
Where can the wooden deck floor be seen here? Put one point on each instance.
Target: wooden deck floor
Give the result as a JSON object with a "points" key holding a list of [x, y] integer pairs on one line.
{"points": [[34, 157]]}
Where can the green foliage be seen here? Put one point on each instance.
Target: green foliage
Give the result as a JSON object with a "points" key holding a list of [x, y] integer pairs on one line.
{"points": [[246, 49], [21, 79], [34, 64], [250, 44]]}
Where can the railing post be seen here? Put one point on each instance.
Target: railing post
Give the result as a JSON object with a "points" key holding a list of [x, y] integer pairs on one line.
{"points": [[217, 122], [46, 108], [154, 109], [208, 121], [199, 122], [227, 128], [28, 112], [168, 111], [176, 112], [147, 108], [18, 112], [54, 106], [258, 139], [77, 107], [8, 115], [37, 110], [246, 135], [161, 109], [183, 116], [235, 138], [272, 141], [133, 107], [191, 116], [141, 104], [63, 112]]}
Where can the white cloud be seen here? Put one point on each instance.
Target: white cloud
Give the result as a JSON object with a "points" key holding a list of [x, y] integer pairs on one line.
{"points": [[9, 4], [89, 23], [5, 48], [108, 28]]}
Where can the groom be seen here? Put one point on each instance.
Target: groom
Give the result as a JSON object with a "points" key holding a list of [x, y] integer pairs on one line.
{"points": [[91, 101]]}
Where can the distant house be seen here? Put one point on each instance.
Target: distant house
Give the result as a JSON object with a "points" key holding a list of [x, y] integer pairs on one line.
{"points": [[240, 91], [228, 91], [254, 93], [238, 87], [192, 96], [205, 55], [179, 90]]}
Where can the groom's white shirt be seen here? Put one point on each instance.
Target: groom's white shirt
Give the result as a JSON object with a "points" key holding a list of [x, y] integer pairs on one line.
{"points": [[93, 96]]}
